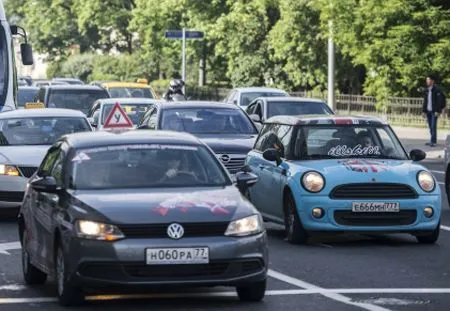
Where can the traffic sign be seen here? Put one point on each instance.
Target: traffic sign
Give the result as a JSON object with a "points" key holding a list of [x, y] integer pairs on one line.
{"points": [[178, 34], [117, 118]]}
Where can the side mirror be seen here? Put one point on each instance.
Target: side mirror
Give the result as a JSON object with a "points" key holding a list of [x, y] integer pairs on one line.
{"points": [[417, 155], [255, 118], [272, 154], [27, 54], [245, 180], [45, 184]]}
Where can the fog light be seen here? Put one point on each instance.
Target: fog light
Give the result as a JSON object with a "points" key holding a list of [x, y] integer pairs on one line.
{"points": [[317, 212], [428, 212]]}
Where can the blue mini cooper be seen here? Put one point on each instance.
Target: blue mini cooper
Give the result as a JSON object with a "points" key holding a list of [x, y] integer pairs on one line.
{"points": [[330, 174]]}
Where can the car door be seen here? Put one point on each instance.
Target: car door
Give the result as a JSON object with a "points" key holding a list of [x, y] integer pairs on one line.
{"points": [[40, 221]]}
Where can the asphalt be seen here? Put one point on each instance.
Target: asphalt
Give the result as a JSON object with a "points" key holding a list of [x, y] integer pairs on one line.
{"points": [[375, 273]]}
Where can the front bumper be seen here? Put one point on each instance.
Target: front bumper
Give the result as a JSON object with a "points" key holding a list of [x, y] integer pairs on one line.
{"points": [[233, 261], [339, 216], [11, 191]]}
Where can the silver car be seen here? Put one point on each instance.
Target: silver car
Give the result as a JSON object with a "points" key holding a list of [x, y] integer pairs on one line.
{"points": [[159, 210], [25, 136]]}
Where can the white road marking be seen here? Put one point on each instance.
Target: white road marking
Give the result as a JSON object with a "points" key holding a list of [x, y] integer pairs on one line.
{"points": [[13, 287], [334, 296], [5, 247], [438, 172], [446, 228]]}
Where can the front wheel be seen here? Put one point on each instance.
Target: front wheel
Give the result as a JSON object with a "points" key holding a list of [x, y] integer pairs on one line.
{"points": [[252, 292], [430, 238], [295, 233], [68, 295]]}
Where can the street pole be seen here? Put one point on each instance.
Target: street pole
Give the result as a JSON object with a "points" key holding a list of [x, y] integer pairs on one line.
{"points": [[183, 70], [331, 98]]}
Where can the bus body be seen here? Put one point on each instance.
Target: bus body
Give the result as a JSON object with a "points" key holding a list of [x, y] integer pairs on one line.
{"points": [[8, 70]]}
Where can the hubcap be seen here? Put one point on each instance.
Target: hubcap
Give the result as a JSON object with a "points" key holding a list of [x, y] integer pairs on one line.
{"points": [[60, 272]]}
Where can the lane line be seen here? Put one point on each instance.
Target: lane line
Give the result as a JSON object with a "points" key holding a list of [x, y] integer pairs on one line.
{"points": [[445, 228], [334, 296]]}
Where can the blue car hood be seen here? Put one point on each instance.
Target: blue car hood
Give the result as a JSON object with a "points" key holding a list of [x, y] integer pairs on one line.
{"points": [[342, 171]]}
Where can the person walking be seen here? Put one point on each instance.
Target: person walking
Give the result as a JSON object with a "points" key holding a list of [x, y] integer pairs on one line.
{"points": [[433, 104]]}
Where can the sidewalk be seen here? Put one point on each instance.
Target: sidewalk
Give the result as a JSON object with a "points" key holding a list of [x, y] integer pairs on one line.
{"points": [[415, 138]]}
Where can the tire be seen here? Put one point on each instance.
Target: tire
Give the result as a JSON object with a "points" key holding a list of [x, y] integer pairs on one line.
{"points": [[252, 292], [31, 274], [68, 294], [295, 233], [430, 238]]}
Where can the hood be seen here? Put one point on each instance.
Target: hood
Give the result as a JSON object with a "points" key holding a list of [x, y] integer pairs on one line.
{"points": [[146, 206], [364, 171], [23, 155], [238, 143]]}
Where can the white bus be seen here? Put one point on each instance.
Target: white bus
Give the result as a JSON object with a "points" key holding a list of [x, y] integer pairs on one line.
{"points": [[8, 71]]}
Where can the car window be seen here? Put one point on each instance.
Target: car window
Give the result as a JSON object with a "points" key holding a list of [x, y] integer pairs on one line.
{"points": [[146, 166], [284, 134], [40, 97], [296, 108], [134, 111], [127, 92], [57, 170], [199, 120], [339, 141], [26, 96], [268, 138], [250, 108], [48, 162], [258, 109], [153, 120], [39, 130], [81, 100], [248, 97]]}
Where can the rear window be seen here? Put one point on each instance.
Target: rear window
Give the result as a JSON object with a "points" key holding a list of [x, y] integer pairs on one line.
{"points": [[246, 98], [81, 100], [26, 96], [126, 92], [134, 111], [296, 108]]}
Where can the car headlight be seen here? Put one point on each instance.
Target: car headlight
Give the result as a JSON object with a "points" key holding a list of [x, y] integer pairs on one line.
{"points": [[9, 170], [313, 181], [426, 181], [97, 231], [245, 226]]}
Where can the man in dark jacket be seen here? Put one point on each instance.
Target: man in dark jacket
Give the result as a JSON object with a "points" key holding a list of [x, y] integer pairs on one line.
{"points": [[433, 104]]}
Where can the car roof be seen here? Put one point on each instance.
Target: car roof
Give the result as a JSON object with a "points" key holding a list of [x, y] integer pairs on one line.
{"points": [[197, 104], [66, 79], [128, 100], [292, 99], [125, 84], [110, 138], [326, 119], [41, 112], [74, 87], [259, 89]]}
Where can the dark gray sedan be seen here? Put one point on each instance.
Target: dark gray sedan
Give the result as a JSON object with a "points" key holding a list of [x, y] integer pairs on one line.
{"points": [[140, 208]]}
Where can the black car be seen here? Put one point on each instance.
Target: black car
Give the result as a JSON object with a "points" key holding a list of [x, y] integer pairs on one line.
{"points": [[26, 94], [111, 211], [225, 128], [70, 96]]}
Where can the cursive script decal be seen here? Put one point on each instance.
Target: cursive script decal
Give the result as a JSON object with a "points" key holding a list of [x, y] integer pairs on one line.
{"points": [[358, 150]]}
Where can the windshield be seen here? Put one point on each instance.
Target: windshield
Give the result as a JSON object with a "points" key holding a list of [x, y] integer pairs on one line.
{"points": [[38, 131], [296, 108], [81, 100], [134, 111], [26, 96], [146, 166], [200, 120], [125, 92], [246, 98], [339, 141]]}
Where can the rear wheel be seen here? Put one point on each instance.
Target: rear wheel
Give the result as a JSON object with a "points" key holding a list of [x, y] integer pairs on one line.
{"points": [[68, 295], [430, 238], [295, 233], [31, 274], [252, 292]]}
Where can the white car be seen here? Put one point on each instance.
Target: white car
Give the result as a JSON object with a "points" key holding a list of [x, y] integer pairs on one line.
{"points": [[25, 137], [243, 96], [134, 107]]}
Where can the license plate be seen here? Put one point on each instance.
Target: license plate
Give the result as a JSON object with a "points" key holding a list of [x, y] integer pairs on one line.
{"points": [[385, 207], [176, 256]]}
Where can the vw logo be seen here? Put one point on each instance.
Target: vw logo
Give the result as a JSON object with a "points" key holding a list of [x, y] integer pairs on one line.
{"points": [[175, 231], [225, 158]]}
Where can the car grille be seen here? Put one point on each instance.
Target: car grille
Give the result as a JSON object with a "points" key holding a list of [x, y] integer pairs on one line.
{"points": [[11, 196], [160, 230], [233, 162], [104, 270], [402, 218], [373, 191], [27, 171]]}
